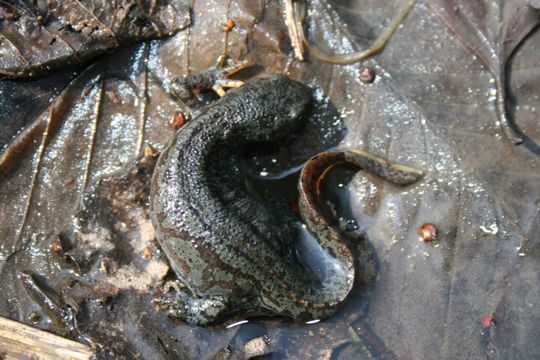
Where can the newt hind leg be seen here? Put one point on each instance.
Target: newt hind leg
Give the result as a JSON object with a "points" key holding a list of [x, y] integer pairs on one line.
{"points": [[192, 309]]}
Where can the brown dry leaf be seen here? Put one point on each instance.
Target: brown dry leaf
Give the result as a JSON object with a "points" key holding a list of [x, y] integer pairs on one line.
{"points": [[431, 106], [36, 37]]}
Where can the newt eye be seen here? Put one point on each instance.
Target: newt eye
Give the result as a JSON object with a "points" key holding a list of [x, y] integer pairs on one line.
{"points": [[294, 111]]}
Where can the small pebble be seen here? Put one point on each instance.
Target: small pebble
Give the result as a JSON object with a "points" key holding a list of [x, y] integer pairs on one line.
{"points": [[256, 347]]}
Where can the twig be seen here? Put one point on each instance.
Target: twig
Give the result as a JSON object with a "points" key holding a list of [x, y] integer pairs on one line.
{"points": [[19, 341]]}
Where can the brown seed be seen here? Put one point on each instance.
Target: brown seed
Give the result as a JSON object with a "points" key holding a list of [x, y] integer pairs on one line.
{"points": [[177, 120], [229, 25], [367, 75], [56, 246], [428, 232], [147, 253]]}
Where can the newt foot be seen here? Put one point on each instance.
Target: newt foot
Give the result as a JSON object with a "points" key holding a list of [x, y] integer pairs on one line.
{"points": [[214, 78], [204, 310]]}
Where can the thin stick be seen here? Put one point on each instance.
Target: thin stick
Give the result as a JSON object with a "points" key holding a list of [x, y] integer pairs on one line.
{"points": [[226, 33], [187, 64], [143, 98], [35, 173], [354, 57], [20, 341], [93, 133]]}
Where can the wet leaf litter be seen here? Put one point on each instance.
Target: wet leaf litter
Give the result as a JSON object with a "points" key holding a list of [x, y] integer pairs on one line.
{"points": [[39, 37], [418, 109]]}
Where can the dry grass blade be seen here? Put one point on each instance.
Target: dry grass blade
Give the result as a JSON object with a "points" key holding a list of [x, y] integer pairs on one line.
{"points": [[294, 33], [355, 57]]}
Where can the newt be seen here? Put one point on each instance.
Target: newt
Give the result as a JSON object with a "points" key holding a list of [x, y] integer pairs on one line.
{"points": [[227, 249]]}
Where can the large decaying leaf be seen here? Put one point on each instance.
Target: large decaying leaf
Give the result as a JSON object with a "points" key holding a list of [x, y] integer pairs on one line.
{"points": [[431, 105], [491, 30], [37, 36], [23, 100]]}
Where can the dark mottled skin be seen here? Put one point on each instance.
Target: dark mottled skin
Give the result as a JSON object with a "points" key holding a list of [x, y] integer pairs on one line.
{"points": [[313, 172], [225, 247]]}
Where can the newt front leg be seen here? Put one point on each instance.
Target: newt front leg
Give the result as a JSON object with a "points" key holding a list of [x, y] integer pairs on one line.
{"points": [[215, 78]]}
